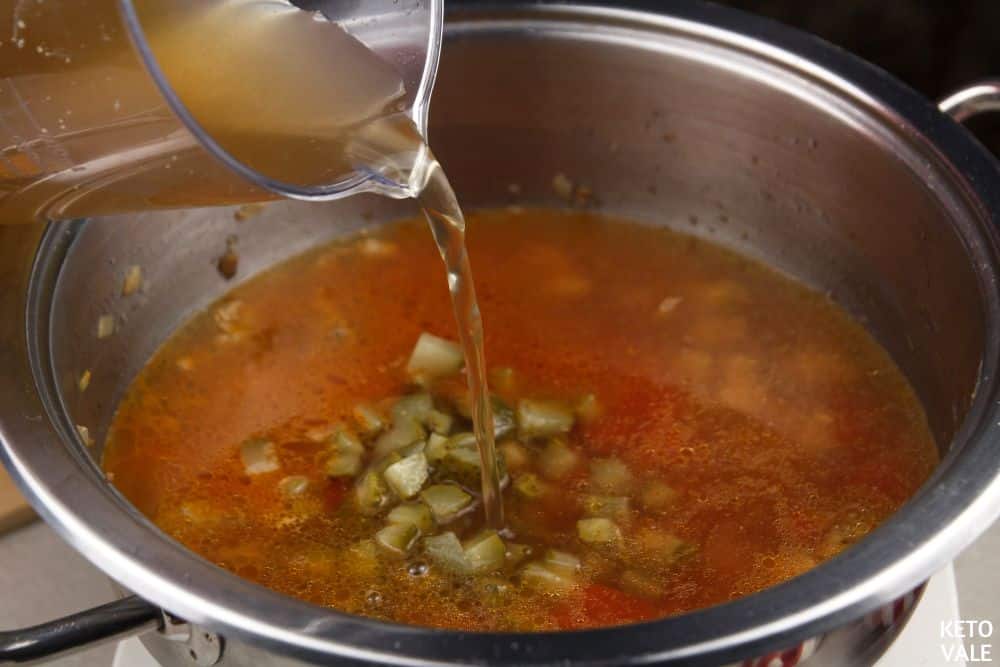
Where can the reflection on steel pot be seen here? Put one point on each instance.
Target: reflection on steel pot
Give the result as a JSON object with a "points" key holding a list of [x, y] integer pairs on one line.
{"points": [[780, 146]]}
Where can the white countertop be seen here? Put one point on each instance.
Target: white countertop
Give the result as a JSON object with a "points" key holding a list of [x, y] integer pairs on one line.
{"points": [[42, 578]]}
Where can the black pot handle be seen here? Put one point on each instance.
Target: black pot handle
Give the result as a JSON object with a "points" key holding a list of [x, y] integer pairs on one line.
{"points": [[980, 97], [113, 621]]}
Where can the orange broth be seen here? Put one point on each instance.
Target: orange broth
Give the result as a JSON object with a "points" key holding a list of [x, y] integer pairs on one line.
{"points": [[762, 429]]}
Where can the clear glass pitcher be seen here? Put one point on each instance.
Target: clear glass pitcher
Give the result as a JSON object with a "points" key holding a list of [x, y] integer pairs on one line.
{"points": [[109, 106]]}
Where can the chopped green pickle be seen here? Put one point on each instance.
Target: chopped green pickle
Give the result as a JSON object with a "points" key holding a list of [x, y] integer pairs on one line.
{"points": [[407, 476], [398, 538], [485, 553], [446, 552], [539, 419], [598, 531], [434, 358], [414, 514], [446, 501]]}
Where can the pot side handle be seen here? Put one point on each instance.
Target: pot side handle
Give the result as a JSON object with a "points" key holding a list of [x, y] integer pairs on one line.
{"points": [[113, 621], [977, 98]]}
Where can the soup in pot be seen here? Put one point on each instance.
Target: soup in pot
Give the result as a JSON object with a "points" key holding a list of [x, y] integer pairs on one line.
{"points": [[678, 426]]}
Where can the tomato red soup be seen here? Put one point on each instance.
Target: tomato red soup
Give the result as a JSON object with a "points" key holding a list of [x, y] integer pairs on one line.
{"points": [[679, 426]]}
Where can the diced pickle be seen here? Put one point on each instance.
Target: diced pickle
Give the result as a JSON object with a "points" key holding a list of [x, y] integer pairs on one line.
{"points": [[415, 514], [610, 507], [436, 447], [610, 475], [541, 576], [504, 421], [517, 553], [598, 531], [588, 409], [657, 495], [293, 485], [445, 501], [515, 455], [529, 486], [502, 379], [369, 421], [405, 431], [485, 553], [259, 456], [415, 406], [446, 552], [345, 442], [439, 422], [371, 493], [557, 459], [561, 561], [433, 358], [342, 465], [407, 476], [641, 584], [398, 538], [539, 419]]}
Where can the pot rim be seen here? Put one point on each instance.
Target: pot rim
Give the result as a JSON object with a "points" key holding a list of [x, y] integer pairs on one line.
{"points": [[947, 513]]}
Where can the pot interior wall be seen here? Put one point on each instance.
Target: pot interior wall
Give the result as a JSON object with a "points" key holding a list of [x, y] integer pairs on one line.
{"points": [[683, 133]]}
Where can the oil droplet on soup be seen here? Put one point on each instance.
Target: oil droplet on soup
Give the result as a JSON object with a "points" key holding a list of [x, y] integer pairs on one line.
{"points": [[685, 426]]}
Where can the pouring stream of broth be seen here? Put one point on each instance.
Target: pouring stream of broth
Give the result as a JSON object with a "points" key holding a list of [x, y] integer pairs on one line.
{"points": [[111, 146], [394, 149]]}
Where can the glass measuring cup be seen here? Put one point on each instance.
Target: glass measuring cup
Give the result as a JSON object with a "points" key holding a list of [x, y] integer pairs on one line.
{"points": [[109, 106]]}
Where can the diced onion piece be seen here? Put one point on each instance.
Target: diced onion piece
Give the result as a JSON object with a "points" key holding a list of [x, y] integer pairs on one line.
{"points": [[293, 485], [342, 465], [562, 186], [368, 419], [398, 538], [84, 381], [561, 561], [529, 486], [609, 507], [84, 434], [588, 409], [407, 476], [598, 531], [515, 455], [540, 576], [446, 552], [439, 422], [105, 326], [667, 305], [259, 456], [434, 358], [415, 406], [539, 419], [485, 553], [414, 514], [610, 475], [371, 493], [405, 431], [133, 280], [557, 460], [657, 495], [437, 447], [445, 500]]}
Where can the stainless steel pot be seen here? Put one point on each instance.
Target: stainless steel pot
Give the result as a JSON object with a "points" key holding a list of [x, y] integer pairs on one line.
{"points": [[704, 119]]}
